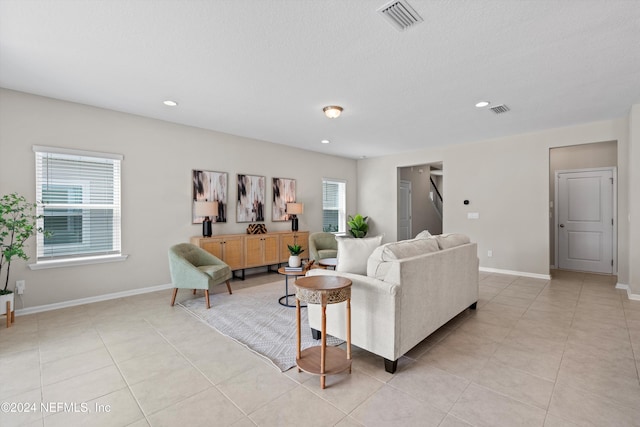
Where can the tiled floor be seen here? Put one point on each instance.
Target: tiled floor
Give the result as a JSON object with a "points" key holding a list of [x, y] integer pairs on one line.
{"points": [[559, 353]]}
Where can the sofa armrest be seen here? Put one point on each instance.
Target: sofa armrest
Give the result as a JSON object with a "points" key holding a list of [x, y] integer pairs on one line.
{"points": [[374, 306], [186, 275]]}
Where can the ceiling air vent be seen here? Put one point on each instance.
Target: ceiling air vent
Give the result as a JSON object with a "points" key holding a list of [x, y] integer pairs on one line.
{"points": [[400, 14], [499, 109]]}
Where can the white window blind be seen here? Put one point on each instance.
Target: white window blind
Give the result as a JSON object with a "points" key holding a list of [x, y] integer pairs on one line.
{"points": [[333, 205], [78, 196]]}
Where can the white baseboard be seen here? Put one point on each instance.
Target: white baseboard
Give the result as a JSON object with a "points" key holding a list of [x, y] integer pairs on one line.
{"points": [[516, 273], [89, 300], [633, 297]]}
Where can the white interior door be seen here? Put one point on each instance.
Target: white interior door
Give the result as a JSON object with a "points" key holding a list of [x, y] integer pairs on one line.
{"points": [[404, 210], [585, 220]]}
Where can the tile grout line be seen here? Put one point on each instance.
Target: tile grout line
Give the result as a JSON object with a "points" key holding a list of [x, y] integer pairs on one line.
{"points": [[199, 371], [555, 382], [128, 386]]}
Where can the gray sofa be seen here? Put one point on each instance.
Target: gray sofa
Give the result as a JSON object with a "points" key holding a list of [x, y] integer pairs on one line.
{"points": [[410, 289]]}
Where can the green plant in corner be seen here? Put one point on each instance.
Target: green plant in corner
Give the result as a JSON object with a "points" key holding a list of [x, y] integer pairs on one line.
{"points": [[295, 250], [17, 224], [358, 225]]}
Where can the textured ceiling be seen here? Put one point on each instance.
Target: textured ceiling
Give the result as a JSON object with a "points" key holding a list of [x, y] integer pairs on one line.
{"points": [[264, 69]]}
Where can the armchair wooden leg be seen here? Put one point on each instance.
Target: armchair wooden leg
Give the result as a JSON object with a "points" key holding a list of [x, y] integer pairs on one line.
{"points": [[173, 297], [194, 291], [206, 297], [229, 287]]}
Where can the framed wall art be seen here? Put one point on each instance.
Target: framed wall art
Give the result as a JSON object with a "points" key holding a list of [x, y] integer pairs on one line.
{"points": [[209, 186], [251, 198], [284, 191]]}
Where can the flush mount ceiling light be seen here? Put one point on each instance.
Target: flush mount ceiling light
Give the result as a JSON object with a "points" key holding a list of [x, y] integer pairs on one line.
{"points": [[332, 111], [325, 141], [482, 104], [170, 103]]}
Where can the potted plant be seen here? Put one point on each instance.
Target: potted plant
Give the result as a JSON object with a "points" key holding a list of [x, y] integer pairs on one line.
{"points": [[17, 224], [294, 259], [358, 226]]}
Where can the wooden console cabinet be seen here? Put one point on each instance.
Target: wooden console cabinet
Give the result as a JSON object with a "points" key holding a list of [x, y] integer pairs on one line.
{"points": [[229, 248], [243, 251], [261, 249]]}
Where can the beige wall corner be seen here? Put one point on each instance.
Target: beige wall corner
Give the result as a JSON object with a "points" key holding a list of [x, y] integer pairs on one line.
{"points": [[634, 201]]}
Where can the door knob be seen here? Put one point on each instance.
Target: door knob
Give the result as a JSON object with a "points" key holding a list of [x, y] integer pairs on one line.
{"points": [[561, 225]]}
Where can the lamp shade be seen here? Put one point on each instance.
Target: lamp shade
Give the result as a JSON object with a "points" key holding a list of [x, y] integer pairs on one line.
{"points": [[295, 208], [205, 209]]}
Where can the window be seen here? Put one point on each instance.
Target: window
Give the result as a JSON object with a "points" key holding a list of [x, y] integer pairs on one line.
{"points": [[334, 205], [78, 197]]}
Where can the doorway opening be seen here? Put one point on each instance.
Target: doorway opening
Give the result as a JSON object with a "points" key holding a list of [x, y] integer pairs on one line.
{"points": [[420, 199], [582, 207]]}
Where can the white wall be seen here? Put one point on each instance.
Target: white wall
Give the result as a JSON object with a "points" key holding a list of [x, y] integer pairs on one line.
{"points": [[633, 217], [156, 185], [506, 181]]}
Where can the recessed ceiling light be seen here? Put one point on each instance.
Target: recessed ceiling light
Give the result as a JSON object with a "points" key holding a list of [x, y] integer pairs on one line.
{"points": [[482, 104], [170, 103], [332, 111], [325, 141]]}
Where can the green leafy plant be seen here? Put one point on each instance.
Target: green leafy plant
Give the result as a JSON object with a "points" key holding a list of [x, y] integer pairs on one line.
{"points": [[358, 225], [17, 224], [295, 249]]}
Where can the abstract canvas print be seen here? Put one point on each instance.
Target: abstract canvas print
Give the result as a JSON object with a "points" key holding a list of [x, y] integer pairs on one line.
{"points": [[251, 198], [284, 191], [209, 186]]}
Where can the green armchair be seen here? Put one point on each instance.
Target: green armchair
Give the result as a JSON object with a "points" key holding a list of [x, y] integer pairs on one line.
{"points": [[194, 268], [322, 245]]}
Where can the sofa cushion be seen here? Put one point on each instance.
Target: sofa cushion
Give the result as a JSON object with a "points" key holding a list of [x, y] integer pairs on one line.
{"points": [[327, 253], [354, 253], [408, 248], [451, 240], [378, 263]]}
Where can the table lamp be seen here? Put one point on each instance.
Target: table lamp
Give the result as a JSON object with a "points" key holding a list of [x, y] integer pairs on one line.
{"points": [[294, 209], [206, 209]]}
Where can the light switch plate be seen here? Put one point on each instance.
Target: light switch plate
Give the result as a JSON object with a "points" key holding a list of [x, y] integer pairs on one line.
{"points": [[473, 215]]}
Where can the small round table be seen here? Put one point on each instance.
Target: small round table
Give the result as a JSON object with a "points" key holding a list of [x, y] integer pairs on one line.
{"points": [[328, 262], [324, 290], [286, 274]]}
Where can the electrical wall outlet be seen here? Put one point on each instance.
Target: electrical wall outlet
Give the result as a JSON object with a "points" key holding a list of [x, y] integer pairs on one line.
{"points": [[489, 253], [20, 286]]}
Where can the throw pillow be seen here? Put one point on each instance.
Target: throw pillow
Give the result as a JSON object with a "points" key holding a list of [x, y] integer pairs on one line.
{"points": [[354, 253], [423, 234]]}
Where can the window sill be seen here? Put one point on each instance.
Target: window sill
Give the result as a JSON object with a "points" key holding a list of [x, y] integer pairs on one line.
{"points": [[42, 265]]}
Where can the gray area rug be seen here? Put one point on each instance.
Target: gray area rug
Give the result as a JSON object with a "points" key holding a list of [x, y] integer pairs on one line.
{"points": [[254, 318]]}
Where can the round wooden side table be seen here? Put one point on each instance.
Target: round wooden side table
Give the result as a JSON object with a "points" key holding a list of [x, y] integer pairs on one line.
{"points": [[284, 300], [323, 290], [328, 262]]}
